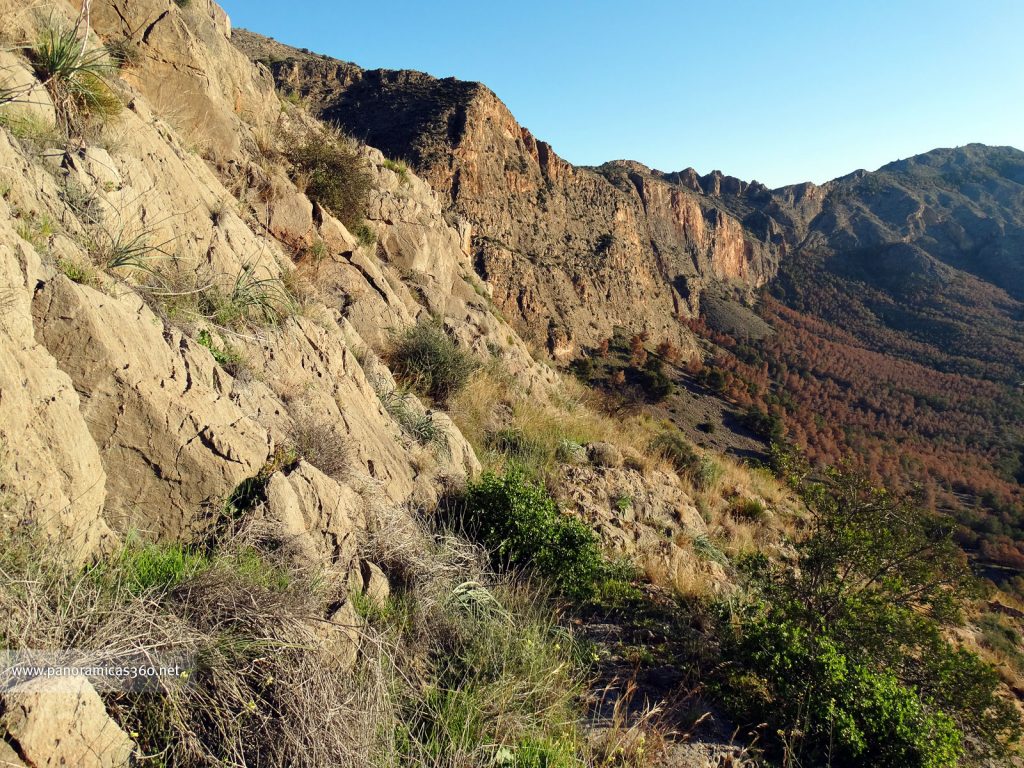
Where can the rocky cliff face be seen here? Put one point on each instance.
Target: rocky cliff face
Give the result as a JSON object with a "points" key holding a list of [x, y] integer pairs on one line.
{"points": [[568, 252]]}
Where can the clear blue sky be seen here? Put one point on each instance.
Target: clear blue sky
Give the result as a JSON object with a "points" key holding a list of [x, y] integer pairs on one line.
{"points": [[775, 90]]}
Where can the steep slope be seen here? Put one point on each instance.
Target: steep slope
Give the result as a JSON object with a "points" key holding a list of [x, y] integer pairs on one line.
{"points": [[569, 252]]}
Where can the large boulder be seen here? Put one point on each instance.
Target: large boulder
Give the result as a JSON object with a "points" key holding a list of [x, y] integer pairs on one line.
{"points": [[62, 722]]}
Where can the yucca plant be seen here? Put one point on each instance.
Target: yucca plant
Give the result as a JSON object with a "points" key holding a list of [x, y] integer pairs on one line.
{"points": [[75, 77], [251, 301], [121, 250]]}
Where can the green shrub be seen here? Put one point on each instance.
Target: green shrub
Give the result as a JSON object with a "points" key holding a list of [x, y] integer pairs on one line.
{"points": [[364, 234], [429, 360], [750, 509], [845, 654], [706, 473], [335, 176], [831, 709], [521, 526], [226, 356]]}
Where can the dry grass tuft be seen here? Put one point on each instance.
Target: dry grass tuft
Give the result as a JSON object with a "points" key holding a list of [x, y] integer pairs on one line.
{"points": [[320, 443], [264, 687]]}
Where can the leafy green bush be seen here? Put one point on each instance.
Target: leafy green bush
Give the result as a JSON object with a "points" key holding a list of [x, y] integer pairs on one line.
{"points": [[225, 355], [335, 176], [429, 360], [833, 709], [521, 526], [364, 234], [845, 656]]}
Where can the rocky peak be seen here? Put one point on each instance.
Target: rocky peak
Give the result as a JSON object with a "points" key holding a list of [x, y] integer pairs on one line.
{"points": [[569, 252]]}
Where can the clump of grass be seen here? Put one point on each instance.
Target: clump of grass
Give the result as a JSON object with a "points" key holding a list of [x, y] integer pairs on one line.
{"points": [[318, 251], [35, 134], [501, 686], [75, 77], [36, 229], [123, 52], [333, 175], [399, 168], [263, 688], [249, 301], [750, 509], [321, 445], [83, 202], [706, 473], [429, 360], [141, 568], [517, 445], [570, 452], [677, 450], [418, 424], [83, 274], [121, 249], [706, 549]]}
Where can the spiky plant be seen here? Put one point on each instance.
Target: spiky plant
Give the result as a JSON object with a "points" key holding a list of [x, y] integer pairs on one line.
{"points": [[76, 77]]}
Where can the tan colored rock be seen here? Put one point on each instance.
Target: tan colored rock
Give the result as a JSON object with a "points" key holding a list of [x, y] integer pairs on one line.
{"points": [[62, 722], [312, 367], [633, 512], [50, 467], [339, 634], [374, 584], [173, 444], [30, 100], [569, 253], [190, 72], [8, 757], [319, 517]]}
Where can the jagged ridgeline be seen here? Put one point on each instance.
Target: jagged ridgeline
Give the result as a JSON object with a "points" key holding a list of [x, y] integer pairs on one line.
{"points": [[286, 410]]}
